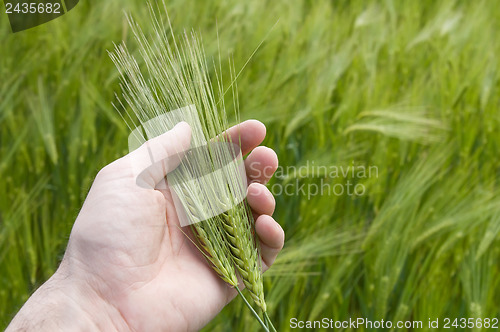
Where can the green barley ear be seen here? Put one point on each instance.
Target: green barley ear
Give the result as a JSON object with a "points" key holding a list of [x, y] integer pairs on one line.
{"points": [[172, 76], [211, 241], [239, 227]]}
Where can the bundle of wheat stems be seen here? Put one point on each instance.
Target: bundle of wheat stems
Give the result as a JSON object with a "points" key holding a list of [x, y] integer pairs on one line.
{"points": [[173, 75]]}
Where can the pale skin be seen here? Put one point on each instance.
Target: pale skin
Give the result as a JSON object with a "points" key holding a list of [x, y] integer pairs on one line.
{"points": [[128, 265]]}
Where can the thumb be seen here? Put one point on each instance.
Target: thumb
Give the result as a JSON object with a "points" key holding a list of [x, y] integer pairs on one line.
{"points": [[155, 158]]}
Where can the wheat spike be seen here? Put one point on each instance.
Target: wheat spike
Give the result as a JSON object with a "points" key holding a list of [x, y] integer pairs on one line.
{"points": [[245, 252], [176, 77]]}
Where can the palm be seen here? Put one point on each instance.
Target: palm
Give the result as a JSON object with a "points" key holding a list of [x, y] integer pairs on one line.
{"points": [[141, 262]]}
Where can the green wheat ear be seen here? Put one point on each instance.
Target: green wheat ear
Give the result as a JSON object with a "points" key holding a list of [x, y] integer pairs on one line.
{"points": [[211, 240], [174, 74], [210, 237], [238, 226]]}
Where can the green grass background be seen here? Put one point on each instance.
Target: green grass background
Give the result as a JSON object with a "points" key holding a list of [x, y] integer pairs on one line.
{"points": [[410, 87]]}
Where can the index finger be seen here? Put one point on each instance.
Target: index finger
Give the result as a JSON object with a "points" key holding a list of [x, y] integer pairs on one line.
{"points": [[248, 134]]}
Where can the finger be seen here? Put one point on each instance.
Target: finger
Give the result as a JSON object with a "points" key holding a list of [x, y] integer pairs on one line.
{"points": [[160, 155], [272, 238], [260, 199], [248, 134], [261, 164]]}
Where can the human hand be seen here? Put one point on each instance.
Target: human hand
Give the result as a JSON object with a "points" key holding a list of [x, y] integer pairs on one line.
{"points": [[129, 266]]}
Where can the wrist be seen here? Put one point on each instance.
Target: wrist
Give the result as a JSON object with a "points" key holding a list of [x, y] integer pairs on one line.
{"points": [[65, 303]]}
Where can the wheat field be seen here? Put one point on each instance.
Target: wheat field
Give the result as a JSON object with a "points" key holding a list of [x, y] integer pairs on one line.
{"points": [[384, 115]]}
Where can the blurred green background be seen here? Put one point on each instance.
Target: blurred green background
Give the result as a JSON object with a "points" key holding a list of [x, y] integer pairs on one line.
{"points": [[410, 87]]}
